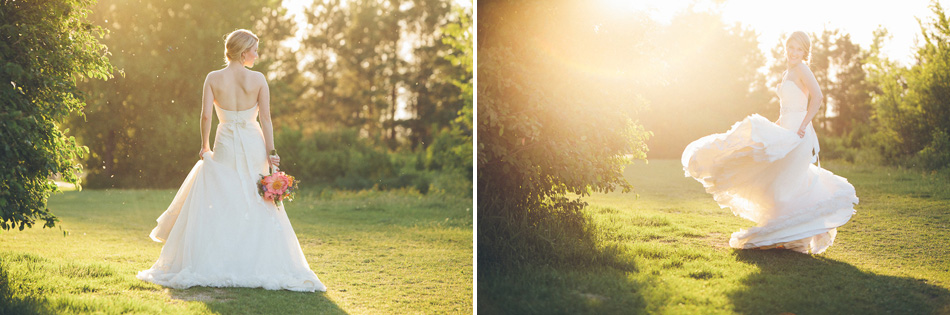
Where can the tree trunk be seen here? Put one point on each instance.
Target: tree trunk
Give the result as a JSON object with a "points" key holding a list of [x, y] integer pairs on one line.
{"points": [[392, 96]]}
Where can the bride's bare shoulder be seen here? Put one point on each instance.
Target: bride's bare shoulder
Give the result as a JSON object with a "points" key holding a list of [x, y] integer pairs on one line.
{"points": [[213, 75], [257, 75], [258, 78], [802, 68]]}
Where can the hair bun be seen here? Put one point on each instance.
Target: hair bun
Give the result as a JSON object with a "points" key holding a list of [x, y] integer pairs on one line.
{"points": [[237, 43]]}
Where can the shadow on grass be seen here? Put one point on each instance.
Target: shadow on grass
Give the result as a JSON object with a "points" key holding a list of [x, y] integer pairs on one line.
{"points": [[11, 304], [258, 301], [802, 284], [553, 266], [560, 290], [17, 297]]}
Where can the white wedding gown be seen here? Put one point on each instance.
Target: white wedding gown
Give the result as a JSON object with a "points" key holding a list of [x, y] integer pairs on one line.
{"points": [[765, 173], [218, 231]]}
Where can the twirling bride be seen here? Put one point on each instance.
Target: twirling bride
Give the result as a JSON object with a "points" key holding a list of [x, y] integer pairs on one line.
{"points": [[764, 171], [218, 231]]}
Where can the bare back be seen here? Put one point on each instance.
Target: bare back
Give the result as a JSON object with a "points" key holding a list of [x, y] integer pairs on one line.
{"points": [[236, 89]]}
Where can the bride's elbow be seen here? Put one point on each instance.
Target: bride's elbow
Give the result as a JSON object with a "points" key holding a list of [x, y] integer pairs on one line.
{"points": [[265, 120]]}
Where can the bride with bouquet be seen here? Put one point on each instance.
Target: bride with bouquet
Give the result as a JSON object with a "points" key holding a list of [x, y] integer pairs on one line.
{"points": [[226, 226]]}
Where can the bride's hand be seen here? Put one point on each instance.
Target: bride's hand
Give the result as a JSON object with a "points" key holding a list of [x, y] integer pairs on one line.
{"points": [[201, 154], [801, 132], [274, 160]]}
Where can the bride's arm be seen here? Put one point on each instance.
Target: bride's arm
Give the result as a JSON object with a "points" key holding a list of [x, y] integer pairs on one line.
{"points": [[207, 101], [815, 99], [263, 101]]}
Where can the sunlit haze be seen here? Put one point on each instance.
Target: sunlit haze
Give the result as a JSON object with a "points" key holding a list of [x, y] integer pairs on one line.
{"points": [[772, 18]]}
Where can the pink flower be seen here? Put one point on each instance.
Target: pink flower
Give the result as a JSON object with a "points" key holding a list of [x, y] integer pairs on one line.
{"points": [[277, 183], [277, 187], [268, 180]]}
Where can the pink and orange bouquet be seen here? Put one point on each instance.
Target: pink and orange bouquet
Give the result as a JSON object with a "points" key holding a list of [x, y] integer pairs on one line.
{"points": [[277, 187]]}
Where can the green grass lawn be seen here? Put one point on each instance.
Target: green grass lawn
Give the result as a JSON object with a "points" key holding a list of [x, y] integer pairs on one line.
{"points": [[394, 252], [667, 252]]}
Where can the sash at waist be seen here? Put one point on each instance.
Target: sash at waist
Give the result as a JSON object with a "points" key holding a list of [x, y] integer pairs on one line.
{"points": [[238, 123], [247, 151]]}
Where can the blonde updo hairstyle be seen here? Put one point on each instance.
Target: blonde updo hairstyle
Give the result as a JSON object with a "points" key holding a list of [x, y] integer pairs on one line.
{"points": [[237, 43], [801, 39]]}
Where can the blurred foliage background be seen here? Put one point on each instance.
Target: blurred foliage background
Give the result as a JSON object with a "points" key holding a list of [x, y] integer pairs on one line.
{"points": [[877, 111], [372, 94]]}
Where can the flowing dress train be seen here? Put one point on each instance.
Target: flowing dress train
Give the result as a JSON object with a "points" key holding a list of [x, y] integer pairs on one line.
{"points": [[765, 173]]}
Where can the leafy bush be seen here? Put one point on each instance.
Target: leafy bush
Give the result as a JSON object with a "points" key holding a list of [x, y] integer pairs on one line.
{"points": [[911, 112], [45, 46], [545, 131], [337, 158], [451, 154], [342, 159], [836, 148], [936, 155]]}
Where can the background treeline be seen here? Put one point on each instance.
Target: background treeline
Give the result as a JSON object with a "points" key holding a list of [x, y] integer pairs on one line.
{"points": [[336, 93], [876, 110], [880, 111]]}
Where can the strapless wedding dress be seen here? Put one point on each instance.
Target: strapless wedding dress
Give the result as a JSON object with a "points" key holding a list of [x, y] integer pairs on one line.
{"points": [[765, 173], [218, 231]]}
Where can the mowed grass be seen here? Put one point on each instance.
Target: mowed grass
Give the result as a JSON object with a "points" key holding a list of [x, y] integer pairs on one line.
{"points": [[668, 253], [393, 252]]}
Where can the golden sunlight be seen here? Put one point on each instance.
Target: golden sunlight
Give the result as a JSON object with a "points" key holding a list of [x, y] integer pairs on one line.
{"points": [[771, 19], [692, 66], [658, 10]]}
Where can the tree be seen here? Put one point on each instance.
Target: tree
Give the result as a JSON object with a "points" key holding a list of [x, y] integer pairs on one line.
{"points": [[911, 112], [849, 92], [820, 64], [326, 21], [932, 84], [892, 117], [433, 76], [361, 83], [453, 150], [358, 72], [551, 124], [45, 48]]}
